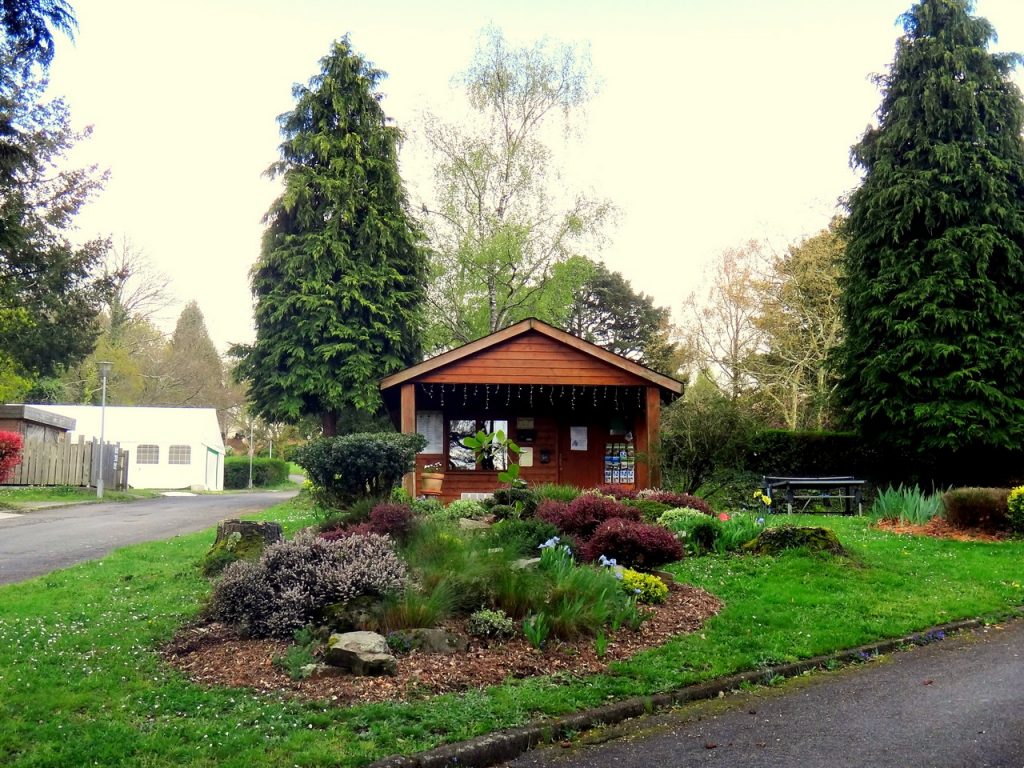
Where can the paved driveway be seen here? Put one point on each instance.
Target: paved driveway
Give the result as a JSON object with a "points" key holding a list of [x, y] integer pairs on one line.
{"points": [[35, 543], [957, 703]]}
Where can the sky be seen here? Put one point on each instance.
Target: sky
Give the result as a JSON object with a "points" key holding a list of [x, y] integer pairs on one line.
{"points": [[716, 121]]}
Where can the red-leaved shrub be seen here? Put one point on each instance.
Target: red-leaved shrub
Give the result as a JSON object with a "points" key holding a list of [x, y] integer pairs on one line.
{"points": [[581, 516], [616, 491], [394, 520], [10, 453], [357, 529], [633, 544], [677, 500]]}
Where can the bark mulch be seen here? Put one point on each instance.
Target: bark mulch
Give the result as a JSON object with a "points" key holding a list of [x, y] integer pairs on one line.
{"points": [[214, 655], [940, 529]]}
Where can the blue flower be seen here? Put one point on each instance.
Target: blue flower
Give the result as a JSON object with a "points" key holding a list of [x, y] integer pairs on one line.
{"points": [[760, 521], [550, 543]]}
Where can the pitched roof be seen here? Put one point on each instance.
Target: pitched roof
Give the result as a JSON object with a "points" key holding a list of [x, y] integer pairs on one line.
{"points": [[520, 328]]}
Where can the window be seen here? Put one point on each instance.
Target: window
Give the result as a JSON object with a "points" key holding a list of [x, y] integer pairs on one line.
{"points": [[147, 454], [461, 457], [179, 454]]}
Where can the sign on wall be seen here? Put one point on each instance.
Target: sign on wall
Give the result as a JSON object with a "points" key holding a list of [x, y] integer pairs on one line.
{"points": [[430, 424]]}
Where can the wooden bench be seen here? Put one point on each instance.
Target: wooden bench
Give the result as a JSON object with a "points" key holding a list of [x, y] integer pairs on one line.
{"points": [[846, 488]]}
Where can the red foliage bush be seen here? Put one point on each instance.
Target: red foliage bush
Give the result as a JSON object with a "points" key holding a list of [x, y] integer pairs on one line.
{"points": [[633, 544], [336, 534], [10, 453], [678, 500], [581, 516], [616, 491], [394, 520]]}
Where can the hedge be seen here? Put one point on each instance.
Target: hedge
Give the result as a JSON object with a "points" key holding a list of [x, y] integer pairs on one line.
{"points": [[265, 472]]}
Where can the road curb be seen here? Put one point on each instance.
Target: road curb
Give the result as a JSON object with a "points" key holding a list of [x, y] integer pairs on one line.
{"points": [[508, 744]]}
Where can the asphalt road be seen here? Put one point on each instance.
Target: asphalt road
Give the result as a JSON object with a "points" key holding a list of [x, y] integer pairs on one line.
{"points": [[957, 703], [38, 542]]}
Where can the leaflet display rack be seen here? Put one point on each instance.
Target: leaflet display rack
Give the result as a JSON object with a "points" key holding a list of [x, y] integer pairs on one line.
{"points": [[619, 463]]}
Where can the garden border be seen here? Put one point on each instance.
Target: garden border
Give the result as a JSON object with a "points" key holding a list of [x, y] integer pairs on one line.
{"points": [[508, 744]]}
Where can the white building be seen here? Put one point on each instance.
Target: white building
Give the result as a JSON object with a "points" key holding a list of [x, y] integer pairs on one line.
{"points": [[168, 447]]}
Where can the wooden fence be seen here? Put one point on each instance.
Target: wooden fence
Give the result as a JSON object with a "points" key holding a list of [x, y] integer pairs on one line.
{"points": [[67, 463]]}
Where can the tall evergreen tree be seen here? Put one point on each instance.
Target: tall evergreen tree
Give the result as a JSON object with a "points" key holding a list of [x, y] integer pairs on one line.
{"points": [[933, 358], [341, 279]]}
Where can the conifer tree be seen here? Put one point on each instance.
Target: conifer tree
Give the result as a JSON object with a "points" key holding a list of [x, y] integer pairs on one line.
{"points": [[341, 278], [933, 359]]}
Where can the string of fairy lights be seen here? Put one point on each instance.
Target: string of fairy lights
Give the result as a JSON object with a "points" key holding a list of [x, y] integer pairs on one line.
{"points": [[619, 398]]}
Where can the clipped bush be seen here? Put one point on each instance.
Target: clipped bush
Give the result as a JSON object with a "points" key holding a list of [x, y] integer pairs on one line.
{"points": [[673, 518], [985, 508], [521, 537], [1015, 509], [633, 544], [581, 516], [364, 465], [647, 587], [676, 500], [294, 580], [11, 444], [265, 472], [490, 624]]}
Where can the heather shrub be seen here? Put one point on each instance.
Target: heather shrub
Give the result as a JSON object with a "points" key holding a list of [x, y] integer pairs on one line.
{"points": [[676, 499], [647, 587], [363, 465], [11, 444], [520, 537], [650, 509], [977, 507], [581, 516], [1015, 509], [294, 580], [633, 544]]}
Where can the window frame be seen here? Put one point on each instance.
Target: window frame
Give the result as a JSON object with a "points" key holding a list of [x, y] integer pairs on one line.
{"points": [[490, 425], [139, 454], [188, 455]]}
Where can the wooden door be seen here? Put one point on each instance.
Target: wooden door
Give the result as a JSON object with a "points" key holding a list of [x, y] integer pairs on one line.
{"points": [[582, 468]]}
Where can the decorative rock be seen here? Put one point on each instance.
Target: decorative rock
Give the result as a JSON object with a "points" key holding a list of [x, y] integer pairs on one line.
{"points": [[362, 653], [468, 524], [772, 541], [432, 640], [524, 563]]}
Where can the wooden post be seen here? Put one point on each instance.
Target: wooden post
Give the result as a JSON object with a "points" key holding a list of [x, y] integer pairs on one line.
{"points": [[408, 422], [648, 472]]}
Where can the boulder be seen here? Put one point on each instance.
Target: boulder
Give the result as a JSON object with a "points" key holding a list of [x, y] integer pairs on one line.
{"points": [[430, 640], [362, 653], [773, 541], [468, 524]]}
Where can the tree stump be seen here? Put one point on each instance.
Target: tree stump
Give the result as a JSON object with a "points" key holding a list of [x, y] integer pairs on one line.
{"points": [[249, 530], [239, 540]]}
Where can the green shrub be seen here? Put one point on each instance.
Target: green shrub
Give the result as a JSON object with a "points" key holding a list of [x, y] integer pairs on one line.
{"points": [[431, 508], [650, 509], [491, 625], [672, 518], [697, 531], [1015, 509], [521, 537], [552, 492], [463, 508], [647, 587], [359, 466], [737, 531], [523, 499], [984, 508], [265, 472]]}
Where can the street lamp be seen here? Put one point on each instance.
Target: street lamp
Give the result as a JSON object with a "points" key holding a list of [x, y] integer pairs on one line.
{"points": [[104, 373]]}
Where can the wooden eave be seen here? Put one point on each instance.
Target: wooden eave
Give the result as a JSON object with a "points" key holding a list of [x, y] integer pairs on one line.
{"points": [[32, 415], [531, 324]]}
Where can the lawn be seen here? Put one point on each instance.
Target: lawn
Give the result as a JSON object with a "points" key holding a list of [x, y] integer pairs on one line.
{"points": [[81, 683]]}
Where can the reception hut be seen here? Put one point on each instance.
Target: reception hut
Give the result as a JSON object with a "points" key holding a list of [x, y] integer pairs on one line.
{"points": [[582, 415]]}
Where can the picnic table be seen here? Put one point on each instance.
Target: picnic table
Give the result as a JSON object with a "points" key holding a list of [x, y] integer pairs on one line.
{"points": [[846, 488]]}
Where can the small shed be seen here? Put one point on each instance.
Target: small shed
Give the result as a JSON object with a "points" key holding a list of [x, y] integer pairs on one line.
{"points": [[582, 415], [168, 447], [32, 422]]}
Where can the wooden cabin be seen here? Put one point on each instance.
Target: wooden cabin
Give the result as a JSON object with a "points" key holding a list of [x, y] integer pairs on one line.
{"points": [[582, 415]]}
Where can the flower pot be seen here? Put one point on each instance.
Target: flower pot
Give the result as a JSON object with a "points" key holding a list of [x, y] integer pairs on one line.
{"points": [[431, 482]]}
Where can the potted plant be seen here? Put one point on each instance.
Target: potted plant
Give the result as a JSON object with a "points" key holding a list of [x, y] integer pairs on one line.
{"points": [[431, 479]]}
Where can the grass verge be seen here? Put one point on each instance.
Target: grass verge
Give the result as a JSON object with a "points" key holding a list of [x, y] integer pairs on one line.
{"points": [[80, 682], [68, 494]]}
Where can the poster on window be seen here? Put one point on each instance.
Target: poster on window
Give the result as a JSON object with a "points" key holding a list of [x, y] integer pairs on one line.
{"points": [[578, 438], [430, 424]]}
